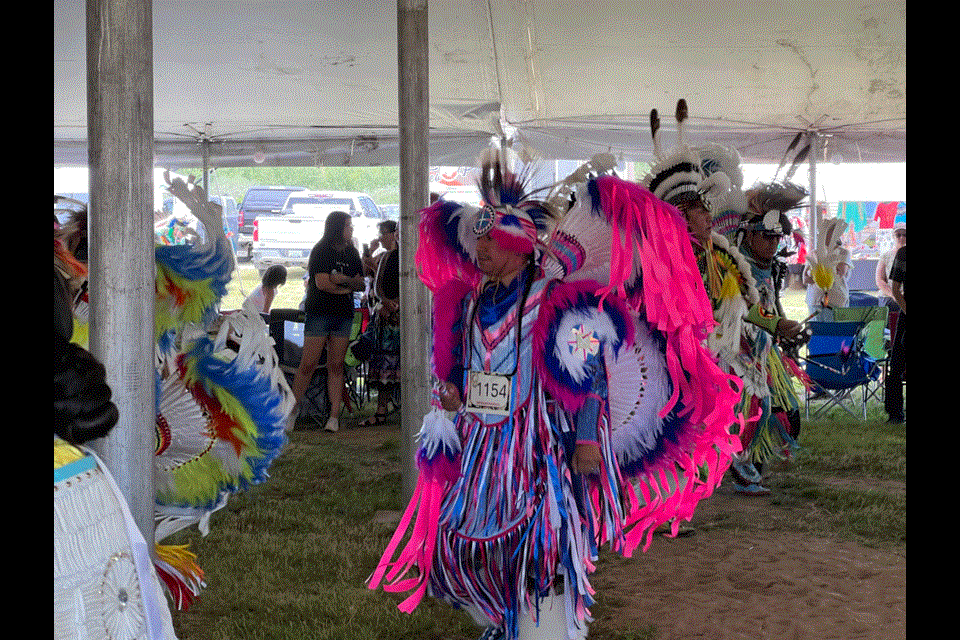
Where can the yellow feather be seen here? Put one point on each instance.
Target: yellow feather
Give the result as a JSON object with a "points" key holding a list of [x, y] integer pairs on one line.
{"points": [[730, 288], [823, 277]]}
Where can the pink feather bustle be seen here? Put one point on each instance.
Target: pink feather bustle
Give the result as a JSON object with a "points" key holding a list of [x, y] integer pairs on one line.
{"points": [[439, 258], [675, 302]]}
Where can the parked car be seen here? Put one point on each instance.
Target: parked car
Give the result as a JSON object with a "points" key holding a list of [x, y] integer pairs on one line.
{"points": [[288, 236], [256, 201], [288, 239]]}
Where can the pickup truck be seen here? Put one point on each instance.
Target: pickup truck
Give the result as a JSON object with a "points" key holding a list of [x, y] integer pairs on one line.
{"points": [[258, 201], [288, 237]]}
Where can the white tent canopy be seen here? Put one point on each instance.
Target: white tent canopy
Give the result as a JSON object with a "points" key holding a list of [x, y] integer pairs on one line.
{"points": [[295, 83]]}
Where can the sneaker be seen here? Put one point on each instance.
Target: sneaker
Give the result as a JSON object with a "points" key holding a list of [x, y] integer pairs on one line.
{"points": [[333, 425], [752, 489], [744, 473]]}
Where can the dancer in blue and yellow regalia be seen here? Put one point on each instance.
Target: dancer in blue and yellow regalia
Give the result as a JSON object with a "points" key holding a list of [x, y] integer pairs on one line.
{"points": [[222, 401]]}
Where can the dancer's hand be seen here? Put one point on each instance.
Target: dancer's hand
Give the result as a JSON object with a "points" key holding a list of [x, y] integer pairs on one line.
{"points": [[787, 328], [450, 396], [586, 458]]}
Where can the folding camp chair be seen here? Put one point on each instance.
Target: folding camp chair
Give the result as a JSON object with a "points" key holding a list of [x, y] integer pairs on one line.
{"points": [[845, 356], [286, 329]]}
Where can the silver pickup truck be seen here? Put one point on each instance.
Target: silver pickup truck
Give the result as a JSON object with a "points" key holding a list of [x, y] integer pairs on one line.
{"points": [[288, 237]]}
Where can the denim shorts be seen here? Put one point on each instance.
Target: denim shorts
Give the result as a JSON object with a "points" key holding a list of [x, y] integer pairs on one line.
{"points": [[318, 325]]}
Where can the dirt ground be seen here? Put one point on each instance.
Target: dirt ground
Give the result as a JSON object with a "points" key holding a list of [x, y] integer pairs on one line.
{"points": [[748, 580], [742, 576]]}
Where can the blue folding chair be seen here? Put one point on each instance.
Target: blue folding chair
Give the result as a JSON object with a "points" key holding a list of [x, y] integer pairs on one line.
{"points": [[839, 363]]}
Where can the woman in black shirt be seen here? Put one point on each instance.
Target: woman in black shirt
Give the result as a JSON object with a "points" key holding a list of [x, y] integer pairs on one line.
{"points": [[335, 273]]}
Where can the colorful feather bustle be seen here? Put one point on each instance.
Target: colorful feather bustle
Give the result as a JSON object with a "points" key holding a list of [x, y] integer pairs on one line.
{"points": [[222, 402], [652, 268], [191, 278], [176, 566], [227, 420], [189, 285]]}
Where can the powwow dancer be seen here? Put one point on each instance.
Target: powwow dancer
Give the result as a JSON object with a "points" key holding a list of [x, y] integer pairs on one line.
{"points": [[773, 435], [698, 181], [705, 184], [571, 376], [222, 401]]}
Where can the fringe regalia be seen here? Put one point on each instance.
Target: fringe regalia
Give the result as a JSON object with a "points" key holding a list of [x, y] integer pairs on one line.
{"points": [[604, 337]]}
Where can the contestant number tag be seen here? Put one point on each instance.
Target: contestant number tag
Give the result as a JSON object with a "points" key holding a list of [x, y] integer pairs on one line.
{"points": [[489, 393]]}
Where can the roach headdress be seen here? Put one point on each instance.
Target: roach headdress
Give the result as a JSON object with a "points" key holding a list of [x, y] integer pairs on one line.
{"points": [[679, 177]]}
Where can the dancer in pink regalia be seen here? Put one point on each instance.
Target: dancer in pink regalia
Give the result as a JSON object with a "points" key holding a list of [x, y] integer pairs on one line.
{"points": [[575, 404]]}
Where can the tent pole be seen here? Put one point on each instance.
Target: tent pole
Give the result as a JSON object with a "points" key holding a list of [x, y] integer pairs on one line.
{"points": [[815, 218], [415, 308], [205, 152], [119, 36]]}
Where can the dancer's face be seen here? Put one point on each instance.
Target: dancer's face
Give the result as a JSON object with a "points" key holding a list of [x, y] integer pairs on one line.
{"points": [[763, 246], [699, 221], [497, 263]]}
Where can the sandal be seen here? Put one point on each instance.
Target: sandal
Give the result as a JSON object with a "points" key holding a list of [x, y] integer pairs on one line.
{"points": [[375, 420]]}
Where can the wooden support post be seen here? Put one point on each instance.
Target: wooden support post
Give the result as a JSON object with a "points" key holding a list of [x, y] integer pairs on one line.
{"points": [[414, 102], [120, 147]]}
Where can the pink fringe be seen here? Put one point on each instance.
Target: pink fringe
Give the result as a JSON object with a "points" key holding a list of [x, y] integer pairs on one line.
{"points": [[647, 226], [418, 552], [674, 301], [447, 309]]}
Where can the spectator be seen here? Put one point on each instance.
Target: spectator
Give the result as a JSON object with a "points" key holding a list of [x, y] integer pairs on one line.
{"points": [[885, 265], [384, 372], [273, 278], [893, 390], [387, 241], [336, 273]]}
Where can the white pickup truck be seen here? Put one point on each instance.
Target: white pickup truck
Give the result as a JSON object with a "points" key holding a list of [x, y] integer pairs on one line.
{"points": [[288, 237]]}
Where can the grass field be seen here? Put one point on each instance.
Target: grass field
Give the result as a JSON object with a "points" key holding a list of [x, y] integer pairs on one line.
{"points": [[288, 559]]}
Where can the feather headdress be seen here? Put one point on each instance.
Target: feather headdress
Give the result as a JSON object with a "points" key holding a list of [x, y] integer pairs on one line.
{"points": [[730, 206], [449, 230], [680, 177], [767, 207]]}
